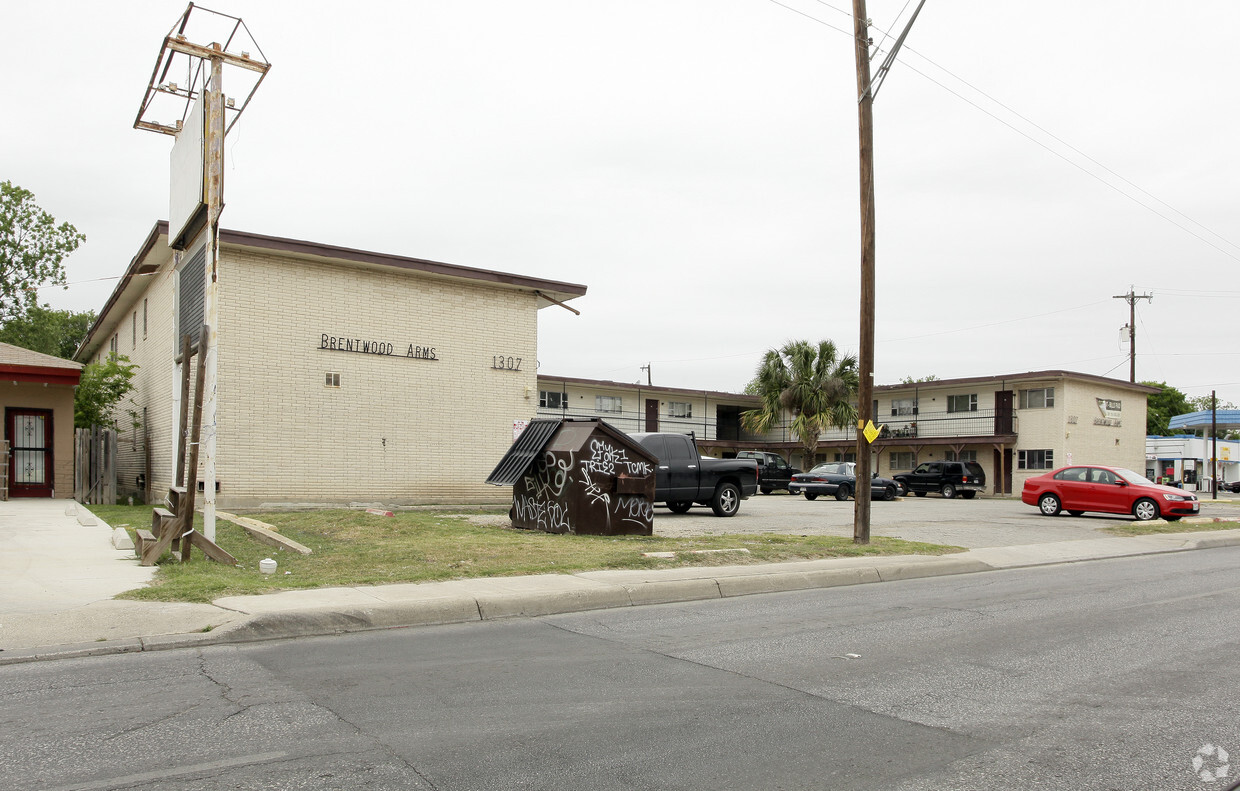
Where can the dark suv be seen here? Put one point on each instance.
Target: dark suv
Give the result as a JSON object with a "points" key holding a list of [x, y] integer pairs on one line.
{"points": [[948, 478], [773, 472]]}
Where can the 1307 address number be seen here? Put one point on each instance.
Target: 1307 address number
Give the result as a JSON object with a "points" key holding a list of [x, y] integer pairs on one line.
{"points": [[502, 363]]}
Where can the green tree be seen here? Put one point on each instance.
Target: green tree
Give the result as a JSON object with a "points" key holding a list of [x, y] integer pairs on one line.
{"points": [[101, 389], [908, 380], [32, 250], [811, 382], [1163, 406], [1203, 404], [54, 332]]}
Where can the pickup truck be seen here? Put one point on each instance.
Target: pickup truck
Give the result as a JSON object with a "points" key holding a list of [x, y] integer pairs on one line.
{"points": [[684, 477], [773, 472]]}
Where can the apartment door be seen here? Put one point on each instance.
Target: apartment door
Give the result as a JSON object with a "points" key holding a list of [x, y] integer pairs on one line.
{"points": [[652, 414], [29, 432], [1003, 412]]}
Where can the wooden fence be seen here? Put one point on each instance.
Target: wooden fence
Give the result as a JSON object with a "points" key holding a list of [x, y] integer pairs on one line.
{"points": [[94, 466]]}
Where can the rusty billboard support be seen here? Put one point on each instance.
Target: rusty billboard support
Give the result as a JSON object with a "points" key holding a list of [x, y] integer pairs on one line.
{"points": [[198, 173]]}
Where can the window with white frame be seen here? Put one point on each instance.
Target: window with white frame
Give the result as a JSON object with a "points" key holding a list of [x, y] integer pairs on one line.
{"points": [[903, 406], [1037, 398], [1035, 459], [964, 455], [849, 456], [332, 379], [962, 403], [608, 404], [551, 399], [679, 409], [901, 459]]}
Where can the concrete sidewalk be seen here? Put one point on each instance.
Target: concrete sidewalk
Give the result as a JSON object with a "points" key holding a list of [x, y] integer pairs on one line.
{"points": [[59, 576]]}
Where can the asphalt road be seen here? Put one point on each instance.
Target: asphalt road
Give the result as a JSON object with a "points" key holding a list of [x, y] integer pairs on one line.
{"points": [[1103, 675], [981, 522]]}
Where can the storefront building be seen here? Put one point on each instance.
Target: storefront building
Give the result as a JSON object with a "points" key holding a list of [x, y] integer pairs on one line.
{"points": [[1195, 462], [344, 376], [36, 392]]}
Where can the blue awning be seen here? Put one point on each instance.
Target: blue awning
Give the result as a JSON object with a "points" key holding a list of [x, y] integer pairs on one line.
{"points": [[1227, 420]]}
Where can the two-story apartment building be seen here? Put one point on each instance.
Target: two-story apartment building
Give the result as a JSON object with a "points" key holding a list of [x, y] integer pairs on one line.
{"points": [[713, 417], [1015, 425], [341, 372]]}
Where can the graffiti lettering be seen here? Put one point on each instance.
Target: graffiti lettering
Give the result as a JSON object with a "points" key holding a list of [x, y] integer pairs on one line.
{"points": [[631, 507], [550, 476], [549, 517], [607, 459]]}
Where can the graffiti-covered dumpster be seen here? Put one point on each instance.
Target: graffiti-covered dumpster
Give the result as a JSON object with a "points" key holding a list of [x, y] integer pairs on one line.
{"points": [[578, 475]]}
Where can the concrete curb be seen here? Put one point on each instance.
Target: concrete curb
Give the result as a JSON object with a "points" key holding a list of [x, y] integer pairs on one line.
{"points": [[343, 610]]}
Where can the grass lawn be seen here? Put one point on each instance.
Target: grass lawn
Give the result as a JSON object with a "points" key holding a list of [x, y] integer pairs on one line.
{"points": [[356, 548], [1149, 528]]}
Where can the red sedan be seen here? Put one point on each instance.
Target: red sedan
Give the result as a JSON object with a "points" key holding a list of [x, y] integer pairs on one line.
{"points": [[1110, 490]]}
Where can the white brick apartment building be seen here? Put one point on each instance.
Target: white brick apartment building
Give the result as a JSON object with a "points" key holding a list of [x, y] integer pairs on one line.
{"points": [[344, 375], [1015, 426]]}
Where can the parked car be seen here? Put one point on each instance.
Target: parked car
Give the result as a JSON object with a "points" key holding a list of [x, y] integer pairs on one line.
{"points": [[773, 472], [948, 478], [1109, 490], [1229, 486], [839, 478], [684, 476]]}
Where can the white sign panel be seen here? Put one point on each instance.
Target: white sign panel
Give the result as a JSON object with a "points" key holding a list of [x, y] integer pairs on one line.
{"points": [[187, 193]]}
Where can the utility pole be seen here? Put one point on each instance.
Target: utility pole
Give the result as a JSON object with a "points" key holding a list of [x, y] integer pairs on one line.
{"points": [[1214, 447], [1131, 299], [865, 390], [867, 89], [646, 368]]}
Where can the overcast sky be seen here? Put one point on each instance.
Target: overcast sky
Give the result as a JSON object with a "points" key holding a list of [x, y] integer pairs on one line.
{"points": [[694, 163]]}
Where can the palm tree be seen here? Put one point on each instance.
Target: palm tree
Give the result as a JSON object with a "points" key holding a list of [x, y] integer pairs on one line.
{"points": [[813, 383]]}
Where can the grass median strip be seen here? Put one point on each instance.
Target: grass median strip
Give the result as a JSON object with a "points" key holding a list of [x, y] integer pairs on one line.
{"points": [[357, 548], [1150, 528]]}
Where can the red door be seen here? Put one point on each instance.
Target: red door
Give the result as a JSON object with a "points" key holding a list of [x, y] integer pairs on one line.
{"points": [[29, 432]]}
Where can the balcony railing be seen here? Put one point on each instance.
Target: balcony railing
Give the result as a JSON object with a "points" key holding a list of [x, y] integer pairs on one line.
{"points": [[706, 428], [982, 423]]}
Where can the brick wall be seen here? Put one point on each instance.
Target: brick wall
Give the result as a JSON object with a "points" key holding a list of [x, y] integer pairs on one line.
{"points": [[397, 429]]}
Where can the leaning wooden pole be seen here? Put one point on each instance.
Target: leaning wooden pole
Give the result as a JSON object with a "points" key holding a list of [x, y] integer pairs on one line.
{"points": [[191, 467], [187, 351]]}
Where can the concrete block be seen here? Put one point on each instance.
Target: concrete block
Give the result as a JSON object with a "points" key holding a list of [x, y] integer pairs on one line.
{"points": [[85, 518], [121, 539]]}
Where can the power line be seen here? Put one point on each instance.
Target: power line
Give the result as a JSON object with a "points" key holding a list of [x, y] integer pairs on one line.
{"points": [[1043, 145], [993, 323]]}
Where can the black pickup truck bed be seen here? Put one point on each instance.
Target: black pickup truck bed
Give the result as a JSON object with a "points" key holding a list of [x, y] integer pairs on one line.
{"points": [[684, 477]]}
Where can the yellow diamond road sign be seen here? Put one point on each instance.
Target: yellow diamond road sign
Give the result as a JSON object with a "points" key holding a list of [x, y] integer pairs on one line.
{"points": [[870, 432]]}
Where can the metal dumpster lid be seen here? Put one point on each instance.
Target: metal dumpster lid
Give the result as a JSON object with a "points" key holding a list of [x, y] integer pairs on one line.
{"points": [[524, 451]]}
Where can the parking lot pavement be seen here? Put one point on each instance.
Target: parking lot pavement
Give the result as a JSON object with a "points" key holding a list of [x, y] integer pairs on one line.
{"points": [[981, 522]]}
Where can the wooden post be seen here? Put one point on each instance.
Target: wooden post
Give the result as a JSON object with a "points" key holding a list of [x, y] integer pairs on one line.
{"points": [[185, 510], [187, 351]]}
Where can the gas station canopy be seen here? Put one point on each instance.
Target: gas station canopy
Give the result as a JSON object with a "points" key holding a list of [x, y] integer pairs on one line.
{"points": [[1224, 419]]}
